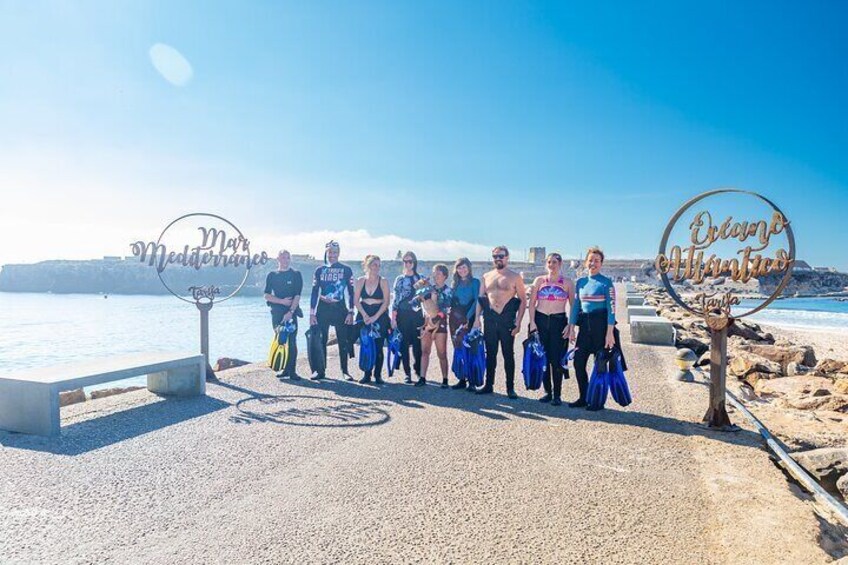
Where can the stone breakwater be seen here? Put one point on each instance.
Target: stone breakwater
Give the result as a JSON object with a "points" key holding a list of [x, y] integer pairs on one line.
{"points": [[799, 393]]}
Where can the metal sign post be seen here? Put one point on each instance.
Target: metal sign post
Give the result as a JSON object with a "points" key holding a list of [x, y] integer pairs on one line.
{"points": [[690, 264], [215, 249]]}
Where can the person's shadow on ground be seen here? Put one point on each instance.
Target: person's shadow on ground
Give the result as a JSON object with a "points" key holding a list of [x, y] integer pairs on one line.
{"points": [[497, 406]]}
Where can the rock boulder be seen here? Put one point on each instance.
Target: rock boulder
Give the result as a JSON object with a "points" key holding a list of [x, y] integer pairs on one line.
{"points": [[225, 363], [827, 464], [71, 397], [784, 355], [832, 366], [842, 486], [800, 386]]}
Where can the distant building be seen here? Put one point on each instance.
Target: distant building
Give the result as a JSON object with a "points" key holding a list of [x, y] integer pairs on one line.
{"points": [[112, 258], [537, 256], [802, 266], [825, 269]]}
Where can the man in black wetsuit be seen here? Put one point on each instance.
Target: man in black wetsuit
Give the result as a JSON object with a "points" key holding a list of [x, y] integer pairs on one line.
{"points": [[282, 294], [327, 305], [503, 300]]}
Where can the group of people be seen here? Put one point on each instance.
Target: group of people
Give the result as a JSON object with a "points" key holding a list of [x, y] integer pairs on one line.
{"points": [[562, 311]]}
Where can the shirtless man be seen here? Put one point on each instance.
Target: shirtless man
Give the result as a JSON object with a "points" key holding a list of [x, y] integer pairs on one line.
{"points": [[502, 302]]}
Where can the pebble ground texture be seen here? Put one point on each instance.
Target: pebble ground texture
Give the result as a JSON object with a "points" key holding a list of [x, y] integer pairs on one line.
{"points": [[264, 471]]}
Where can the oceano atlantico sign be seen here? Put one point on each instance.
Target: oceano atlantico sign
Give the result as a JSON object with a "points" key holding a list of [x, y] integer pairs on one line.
{"points": [[215, 247], [754, 237]]}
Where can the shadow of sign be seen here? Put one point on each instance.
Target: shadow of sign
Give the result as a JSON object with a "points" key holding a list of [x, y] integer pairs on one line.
{"points": [[310, 411]]}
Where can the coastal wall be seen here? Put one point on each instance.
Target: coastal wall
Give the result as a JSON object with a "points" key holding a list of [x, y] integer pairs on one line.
{"points": [[129, 276]]}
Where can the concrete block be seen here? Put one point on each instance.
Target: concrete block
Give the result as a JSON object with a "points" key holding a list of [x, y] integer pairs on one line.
{"points": [[29, 400], [630, 288], [651, 330], [641, 311], [635, 301], [181, 381]]}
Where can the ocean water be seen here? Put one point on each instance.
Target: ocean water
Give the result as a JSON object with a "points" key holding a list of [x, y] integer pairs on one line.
{"points": [[38, 330], [806, 313]]}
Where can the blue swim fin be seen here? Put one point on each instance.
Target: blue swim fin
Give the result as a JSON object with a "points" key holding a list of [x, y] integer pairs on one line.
{"points": [[596, 394], [367, 351], [535, 362], [617, 382], [394, 349]]}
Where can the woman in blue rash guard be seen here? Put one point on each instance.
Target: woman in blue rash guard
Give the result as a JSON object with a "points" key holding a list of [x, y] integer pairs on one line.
{"points": [[406, 315], [371, 298], [593, 310], [466, 289], [330, 283]]}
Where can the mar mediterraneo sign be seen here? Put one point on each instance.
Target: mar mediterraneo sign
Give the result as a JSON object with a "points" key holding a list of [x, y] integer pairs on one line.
{"points": [[219, 245]]}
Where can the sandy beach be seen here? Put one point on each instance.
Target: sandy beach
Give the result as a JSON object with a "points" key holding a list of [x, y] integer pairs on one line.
{"points": [[264, 471], [831, 343]]}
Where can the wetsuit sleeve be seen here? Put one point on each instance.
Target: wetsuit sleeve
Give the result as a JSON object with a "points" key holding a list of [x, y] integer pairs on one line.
{"points": [[575, 303], [394, 303], [349, 275], [298, 283], [316, 288], [610, 296], [475, 294], [268, 284]]}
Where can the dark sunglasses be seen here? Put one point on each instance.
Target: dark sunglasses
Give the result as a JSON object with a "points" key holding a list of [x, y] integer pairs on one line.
{"points": [[408, 261], [498, 256]]}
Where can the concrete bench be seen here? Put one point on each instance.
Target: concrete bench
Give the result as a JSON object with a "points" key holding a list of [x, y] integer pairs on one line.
{"points": [[630, 288], [651, 330], [29, 400], [641, 311]]}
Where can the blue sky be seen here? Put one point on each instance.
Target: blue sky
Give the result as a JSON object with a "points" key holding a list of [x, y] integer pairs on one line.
{"points": [[445, 127]]}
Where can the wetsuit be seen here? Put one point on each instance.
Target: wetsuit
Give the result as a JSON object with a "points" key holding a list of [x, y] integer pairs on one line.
{"points": [[497, 331], [464, 304], [333, 281], [409, 321], [594, 311], [383, 321], [550, 328], [285, 284], [444, 297]]}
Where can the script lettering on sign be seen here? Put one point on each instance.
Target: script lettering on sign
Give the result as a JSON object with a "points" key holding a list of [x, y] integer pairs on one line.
{"points": [[695, 263]]}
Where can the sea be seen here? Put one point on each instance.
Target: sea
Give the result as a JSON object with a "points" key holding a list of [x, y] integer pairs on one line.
{"points": [[38, 330]]}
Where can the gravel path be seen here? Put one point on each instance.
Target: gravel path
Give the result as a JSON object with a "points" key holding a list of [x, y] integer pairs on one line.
{"points": [[281, 472]]}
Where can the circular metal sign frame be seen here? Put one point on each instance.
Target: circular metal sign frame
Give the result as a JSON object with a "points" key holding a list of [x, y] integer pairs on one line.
{"points": [[790, 236], [208, 215]]}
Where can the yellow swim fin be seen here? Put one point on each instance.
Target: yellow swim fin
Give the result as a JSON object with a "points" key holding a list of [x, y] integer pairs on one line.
{"points": [[279, 355]]}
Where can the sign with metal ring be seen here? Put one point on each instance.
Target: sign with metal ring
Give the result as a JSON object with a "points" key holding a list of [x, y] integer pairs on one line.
{"points": [[202, 242], [690, 264]]}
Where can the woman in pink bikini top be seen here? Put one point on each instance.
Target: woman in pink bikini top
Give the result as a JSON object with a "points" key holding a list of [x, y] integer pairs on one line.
{"points": [[550, 299]]}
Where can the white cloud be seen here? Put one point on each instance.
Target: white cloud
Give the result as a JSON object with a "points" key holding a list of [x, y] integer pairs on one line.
{"points": [[358, 243]]}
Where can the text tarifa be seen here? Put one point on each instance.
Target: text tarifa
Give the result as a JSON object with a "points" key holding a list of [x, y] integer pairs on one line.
{"points": [[690, 264], [215, 249]]}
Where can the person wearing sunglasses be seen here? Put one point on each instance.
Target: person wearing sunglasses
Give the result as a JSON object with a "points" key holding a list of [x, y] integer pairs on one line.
{"points": [[593, 311], [330, 283], [549, 300], [407, 316], [502, 302]]}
